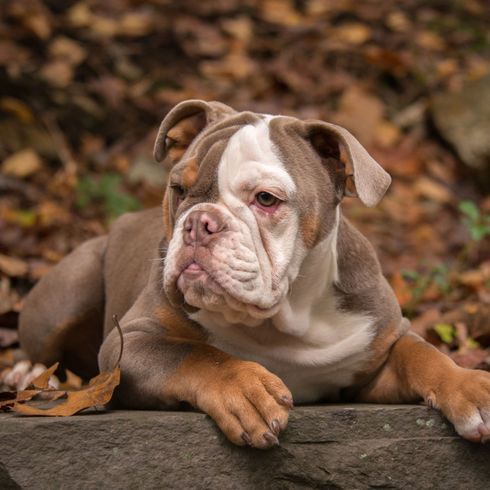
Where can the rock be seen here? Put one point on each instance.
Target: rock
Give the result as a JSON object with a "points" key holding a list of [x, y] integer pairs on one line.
{"points": [[330, 447], [463, 120]]}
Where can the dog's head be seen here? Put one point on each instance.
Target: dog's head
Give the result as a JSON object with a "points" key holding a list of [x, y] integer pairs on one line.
{"points": [[248, 196]]}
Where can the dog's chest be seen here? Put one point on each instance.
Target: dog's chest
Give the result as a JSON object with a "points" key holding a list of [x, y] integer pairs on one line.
{"points": [[314, 366]]}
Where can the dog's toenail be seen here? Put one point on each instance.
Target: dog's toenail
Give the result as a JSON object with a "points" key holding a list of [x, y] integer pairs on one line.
{"points": [[246, 438], [271, 438], [275, 426], [288, 401]]}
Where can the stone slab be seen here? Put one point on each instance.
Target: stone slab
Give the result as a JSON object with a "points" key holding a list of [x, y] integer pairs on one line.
{"points": [[325, 446]]}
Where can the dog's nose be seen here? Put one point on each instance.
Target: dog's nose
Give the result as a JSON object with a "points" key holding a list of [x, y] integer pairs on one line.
{"points": [[201, 226]]}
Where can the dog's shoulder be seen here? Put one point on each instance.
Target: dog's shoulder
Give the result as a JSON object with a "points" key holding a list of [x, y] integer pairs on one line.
{"points": [[135, 242]]}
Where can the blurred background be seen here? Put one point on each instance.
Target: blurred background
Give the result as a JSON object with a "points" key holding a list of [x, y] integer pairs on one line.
{"points": [[84, 85]]}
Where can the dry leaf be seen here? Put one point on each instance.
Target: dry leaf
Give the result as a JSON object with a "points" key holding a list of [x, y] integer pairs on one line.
{"points": [[361, 113], [80, 15], [98, 392], [353, 33], [12, 266], [401, 288], [387, 134], [72, 381], [280, 12], [6, 358], [136, 24], [58, 73], [22, 164], [68, 50], [42, 381], [17, 107], [8, 399], [432, 190]]}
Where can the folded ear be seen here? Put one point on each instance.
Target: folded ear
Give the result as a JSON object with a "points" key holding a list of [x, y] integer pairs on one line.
{"points": [[182, 124], [369, 181]]}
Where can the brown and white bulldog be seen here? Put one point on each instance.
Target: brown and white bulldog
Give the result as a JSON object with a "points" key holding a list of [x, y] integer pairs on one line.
{"points": [[249, 289]]}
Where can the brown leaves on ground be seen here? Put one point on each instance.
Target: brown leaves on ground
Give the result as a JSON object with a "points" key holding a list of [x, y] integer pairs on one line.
{"points": [[97, 392]]}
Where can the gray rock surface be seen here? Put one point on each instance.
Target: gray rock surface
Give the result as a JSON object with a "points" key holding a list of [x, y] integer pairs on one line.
{"points": [[463, 119], [328, 447]]}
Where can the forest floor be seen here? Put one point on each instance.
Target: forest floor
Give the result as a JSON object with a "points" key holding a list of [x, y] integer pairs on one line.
{"points": [[84, 85]]}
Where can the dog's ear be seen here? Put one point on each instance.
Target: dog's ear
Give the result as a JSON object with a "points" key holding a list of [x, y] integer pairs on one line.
{"points": [[369, 181], [182, 124]]}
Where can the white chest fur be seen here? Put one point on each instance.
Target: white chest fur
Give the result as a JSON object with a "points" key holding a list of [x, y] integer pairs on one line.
{"points": [[313, 366]]}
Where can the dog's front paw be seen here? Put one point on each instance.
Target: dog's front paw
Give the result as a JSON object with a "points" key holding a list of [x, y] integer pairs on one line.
{"points": [[464, 398], [249, 404]]}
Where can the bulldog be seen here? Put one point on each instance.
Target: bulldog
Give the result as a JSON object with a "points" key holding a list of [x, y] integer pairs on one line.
{"points": [[248, 289]]}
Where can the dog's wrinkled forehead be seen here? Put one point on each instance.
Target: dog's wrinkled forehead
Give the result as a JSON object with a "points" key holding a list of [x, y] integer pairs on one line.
{"points": [[197, 171], [195, 134]]}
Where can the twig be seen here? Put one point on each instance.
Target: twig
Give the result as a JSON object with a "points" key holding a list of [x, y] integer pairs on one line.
{"points": [[116, 324]]}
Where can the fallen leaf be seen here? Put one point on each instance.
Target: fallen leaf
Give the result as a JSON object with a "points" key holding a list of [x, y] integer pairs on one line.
{"points": [[430, 189], [386, 134], [401, 288], [353, 33], [98, 392], [58, 73], [72, 382], [398, 21], [67, 49], [8, 399], [80, 15], [280, 12], [22, 164], [42, 381], [12, 266], [17, 107], [430, 40], [136, 24], [6, 358], [39, 25], [361, 113]]}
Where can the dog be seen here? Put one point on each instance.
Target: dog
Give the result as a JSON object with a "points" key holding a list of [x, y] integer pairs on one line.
{"points": [[248, 288]]}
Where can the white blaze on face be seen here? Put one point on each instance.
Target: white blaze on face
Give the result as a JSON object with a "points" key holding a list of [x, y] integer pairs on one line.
{"points": [[250, 165]]}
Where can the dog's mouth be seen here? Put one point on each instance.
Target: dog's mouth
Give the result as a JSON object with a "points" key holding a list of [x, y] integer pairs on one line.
{"points": [[198, 286]]}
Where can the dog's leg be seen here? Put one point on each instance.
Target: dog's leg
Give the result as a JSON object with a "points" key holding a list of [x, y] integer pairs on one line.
{"points": [[166, 361], [415, 370], [62, 318]]}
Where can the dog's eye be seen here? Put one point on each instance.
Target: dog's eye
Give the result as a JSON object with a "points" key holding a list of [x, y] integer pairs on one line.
{"points": [[179, 190], [266, 200]]}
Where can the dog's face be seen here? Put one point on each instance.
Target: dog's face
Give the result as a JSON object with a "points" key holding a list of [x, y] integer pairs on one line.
{"points": [[248, 196]]}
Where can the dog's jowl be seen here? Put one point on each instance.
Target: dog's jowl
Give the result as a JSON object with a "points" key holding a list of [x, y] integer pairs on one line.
{"points": [[248, 289]]}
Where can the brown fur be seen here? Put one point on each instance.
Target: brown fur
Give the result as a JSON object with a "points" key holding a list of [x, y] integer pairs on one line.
{"points": [[248, 403], [309, 230], [189, 175], [182, 134], [166, 359], [178, 327]]}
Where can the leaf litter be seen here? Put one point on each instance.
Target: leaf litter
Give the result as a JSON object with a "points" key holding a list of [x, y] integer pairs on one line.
{"points": [[97, 392]]}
